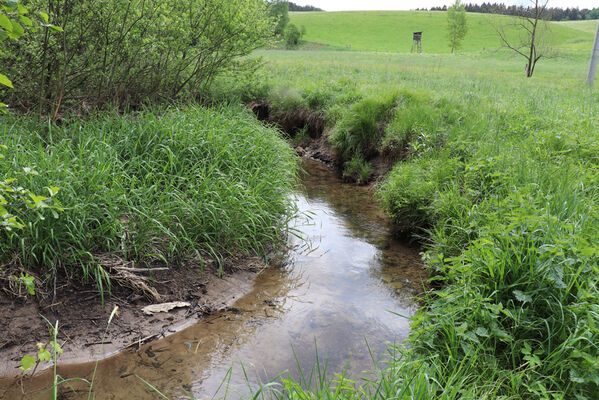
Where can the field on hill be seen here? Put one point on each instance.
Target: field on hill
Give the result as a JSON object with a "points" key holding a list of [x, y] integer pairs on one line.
{"points": [[497, 175], [584, 26], [392, 31]]}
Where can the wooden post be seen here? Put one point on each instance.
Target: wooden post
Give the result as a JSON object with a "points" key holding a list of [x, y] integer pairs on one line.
{"points": [[594, 57]]}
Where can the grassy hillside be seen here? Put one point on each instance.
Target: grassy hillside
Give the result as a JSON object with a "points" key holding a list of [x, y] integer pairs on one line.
{"points": [[584, 26], [392, 31]]}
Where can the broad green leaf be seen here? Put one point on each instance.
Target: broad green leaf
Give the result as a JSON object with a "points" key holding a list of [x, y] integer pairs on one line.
{"points": [[480, 331], [17, 29], [44, 355], [37, 199], [53, 190], [25, 21], [588, 251], [5, 81], [55, 28], [522, 297], [44, 17], [27, 362], [5, 22], [56, 347], [22, 9]]}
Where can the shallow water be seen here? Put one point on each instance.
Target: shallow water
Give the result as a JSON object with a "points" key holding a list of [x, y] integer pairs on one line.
{"points": [[338, 290]]}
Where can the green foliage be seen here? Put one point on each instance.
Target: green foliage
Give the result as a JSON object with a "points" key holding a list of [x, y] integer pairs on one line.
{"points": [[410, 188], [457, 26], [361, 127], [293, 36], [279, 11], [165, 186], [129, 52], [420, 124], [593, 14], [18, 204], [358, 169], [15, 200]]}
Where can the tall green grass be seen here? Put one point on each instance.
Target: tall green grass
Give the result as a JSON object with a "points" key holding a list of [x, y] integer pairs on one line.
{"points": [[151, 187]]}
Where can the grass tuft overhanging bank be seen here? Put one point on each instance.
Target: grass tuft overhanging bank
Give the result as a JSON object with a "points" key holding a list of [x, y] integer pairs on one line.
{"points": [[154, 187]]}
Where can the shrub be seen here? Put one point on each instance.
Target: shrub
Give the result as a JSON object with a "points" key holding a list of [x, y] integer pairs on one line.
{"points": [[293, 36], [127, 52]]}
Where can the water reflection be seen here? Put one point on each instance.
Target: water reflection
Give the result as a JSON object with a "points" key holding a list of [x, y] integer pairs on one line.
{"points": [[335, 294]]}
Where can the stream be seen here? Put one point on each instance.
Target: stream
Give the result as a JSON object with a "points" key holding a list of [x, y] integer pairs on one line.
{"points": [[338, 293]]}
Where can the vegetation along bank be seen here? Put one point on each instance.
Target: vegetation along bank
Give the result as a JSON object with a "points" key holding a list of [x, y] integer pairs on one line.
{"points": [[496, 175]]}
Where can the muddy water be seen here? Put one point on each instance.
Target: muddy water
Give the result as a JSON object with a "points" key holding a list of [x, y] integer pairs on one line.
{"points": [[335, 293]]}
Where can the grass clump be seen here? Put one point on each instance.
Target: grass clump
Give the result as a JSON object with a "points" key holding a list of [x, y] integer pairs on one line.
{"points": [[151, 187], [361, 128], [358, 170], [410, 188], [420, 123]]}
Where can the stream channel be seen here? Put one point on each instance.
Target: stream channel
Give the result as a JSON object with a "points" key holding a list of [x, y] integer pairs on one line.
{"points": [[338, 290]]}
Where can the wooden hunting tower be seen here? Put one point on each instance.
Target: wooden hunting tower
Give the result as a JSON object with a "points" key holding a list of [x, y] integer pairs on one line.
{"points": [[417, 42]]}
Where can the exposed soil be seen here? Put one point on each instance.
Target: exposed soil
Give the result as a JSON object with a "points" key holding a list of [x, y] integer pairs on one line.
{"points": [[293, 121], [83, 319], [316, 145]]}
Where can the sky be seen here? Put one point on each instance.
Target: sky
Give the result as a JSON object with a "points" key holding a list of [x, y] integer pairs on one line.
{"points": [[342, 5]]}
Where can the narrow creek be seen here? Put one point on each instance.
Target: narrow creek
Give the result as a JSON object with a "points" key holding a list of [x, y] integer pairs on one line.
{"points": [[337, 291]]}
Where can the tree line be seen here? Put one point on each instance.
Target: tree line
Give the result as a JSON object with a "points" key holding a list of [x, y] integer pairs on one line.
{"points": [[553, 13], [295, 7]]}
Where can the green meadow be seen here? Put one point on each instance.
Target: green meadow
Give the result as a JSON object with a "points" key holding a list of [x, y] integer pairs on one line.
{"points": [[391, 31]]}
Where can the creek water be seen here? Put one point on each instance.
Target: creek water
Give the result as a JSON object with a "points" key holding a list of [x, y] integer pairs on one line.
{"points": [[338, 292]]}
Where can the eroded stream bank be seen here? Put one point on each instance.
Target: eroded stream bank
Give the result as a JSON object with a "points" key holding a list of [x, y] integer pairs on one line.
{"points": [[336, 291]]}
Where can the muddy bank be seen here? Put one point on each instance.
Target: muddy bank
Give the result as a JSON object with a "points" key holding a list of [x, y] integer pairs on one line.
{"points": [[83, 319], [308, 131]]}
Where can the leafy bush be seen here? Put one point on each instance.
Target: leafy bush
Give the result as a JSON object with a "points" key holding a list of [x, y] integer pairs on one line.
{"points": [[293, 36], [151, 187], [127, 52], [17, 202]]}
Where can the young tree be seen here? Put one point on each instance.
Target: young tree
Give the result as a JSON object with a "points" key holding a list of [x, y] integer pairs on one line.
{"points": [[279, 10], [457, 26], [532, 29], [293, 36]]}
